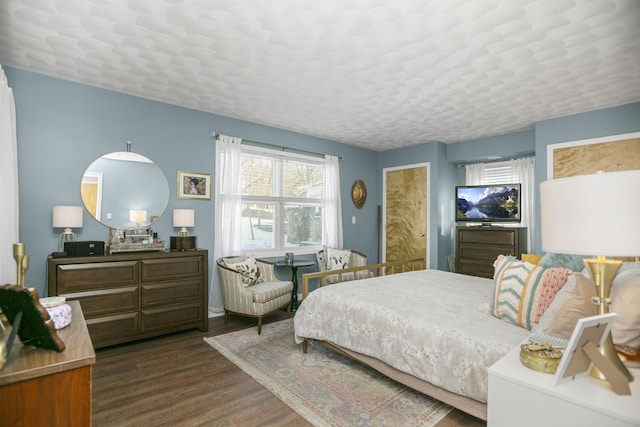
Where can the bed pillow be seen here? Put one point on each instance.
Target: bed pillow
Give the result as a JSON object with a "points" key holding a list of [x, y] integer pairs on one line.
{"points": [[572, 262], [248, 269], [625, 302], [531, 258], [571, 303], [337, 259], [523, 291]]}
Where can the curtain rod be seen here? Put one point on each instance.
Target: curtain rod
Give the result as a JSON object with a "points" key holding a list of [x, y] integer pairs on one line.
{"points": [[215, 135]]}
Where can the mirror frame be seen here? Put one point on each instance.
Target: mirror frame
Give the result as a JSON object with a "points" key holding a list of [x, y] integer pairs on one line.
{"points": [[109, 199]]}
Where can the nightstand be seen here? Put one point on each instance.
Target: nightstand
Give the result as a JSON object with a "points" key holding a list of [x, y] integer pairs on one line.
{"points": [[523, 397]]}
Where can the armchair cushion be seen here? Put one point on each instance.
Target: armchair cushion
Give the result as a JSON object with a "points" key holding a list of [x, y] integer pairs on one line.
{"points": [[267, 291], [248, 269]]}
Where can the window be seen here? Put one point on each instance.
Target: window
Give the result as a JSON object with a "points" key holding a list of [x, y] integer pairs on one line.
{"points": [[507, 172], [283, 201]]}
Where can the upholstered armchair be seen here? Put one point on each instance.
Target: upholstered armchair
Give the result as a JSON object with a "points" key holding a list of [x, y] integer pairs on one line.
{"points": [[250, 288], [355, 259]]}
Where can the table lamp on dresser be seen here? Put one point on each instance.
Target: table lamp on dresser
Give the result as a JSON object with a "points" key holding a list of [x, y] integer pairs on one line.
{"points": [[183, 218]]}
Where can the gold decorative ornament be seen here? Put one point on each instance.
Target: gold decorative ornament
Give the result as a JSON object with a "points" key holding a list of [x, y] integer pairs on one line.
{"points": [[22, 263], [359, 193], [541, 357]]}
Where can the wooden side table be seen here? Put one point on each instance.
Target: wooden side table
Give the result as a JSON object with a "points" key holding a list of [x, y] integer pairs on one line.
{"points": [[42, 387], [294, 278], [523, 397]]}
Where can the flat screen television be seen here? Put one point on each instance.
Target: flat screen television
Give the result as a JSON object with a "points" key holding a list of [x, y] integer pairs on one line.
{"points": [[488, 203]]}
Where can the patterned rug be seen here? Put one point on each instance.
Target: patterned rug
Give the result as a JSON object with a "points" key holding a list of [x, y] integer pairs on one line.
{"points": [[324, 387]]}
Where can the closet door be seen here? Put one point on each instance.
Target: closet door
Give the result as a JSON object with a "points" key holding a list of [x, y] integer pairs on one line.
{"points": [[405, 212]]}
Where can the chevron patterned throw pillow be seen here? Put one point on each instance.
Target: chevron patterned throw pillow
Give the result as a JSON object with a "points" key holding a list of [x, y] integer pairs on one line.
{"points": [[523, 291]]}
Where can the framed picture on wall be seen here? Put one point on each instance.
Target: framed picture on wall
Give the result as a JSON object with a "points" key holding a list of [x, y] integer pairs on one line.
{"points": [[194, 185]]}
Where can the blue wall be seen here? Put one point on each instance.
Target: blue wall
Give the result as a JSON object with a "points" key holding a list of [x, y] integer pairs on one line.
{"points": [[441, 180], [595, 124], [63, 127]]}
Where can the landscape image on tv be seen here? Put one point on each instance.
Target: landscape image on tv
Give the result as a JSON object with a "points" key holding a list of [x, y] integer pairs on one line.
{"points": [[497, 203]]}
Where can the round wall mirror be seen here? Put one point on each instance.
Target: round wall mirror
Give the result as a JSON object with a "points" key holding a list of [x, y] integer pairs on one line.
{"points": [[124, 190]]}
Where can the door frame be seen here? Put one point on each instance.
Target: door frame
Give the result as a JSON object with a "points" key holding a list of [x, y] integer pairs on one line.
{"points": [[383, 246]]}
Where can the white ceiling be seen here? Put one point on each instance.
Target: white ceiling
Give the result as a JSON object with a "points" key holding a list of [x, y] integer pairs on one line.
{"points": [[379, 74]]}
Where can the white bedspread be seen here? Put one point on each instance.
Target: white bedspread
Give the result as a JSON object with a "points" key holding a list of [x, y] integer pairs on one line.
{"points": [[431, 324]]}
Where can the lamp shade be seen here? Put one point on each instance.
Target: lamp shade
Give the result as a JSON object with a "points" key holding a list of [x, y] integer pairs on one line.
{"points": [[592, 214], [67, 216], [183, 218], [137, 215]]}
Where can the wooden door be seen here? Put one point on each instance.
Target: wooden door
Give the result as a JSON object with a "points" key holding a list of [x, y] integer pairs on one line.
{"points": [[89, 194], [405, 212]]}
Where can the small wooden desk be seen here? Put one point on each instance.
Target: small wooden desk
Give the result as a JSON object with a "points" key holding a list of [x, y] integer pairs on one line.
{"points": [[42, 387]]}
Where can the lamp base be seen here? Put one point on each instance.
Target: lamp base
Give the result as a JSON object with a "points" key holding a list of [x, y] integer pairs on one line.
{"points": [[66, 236], [182, 243], [602, 272]]}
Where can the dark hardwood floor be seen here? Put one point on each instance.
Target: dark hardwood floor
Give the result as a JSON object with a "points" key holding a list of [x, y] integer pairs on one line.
{"points": [[180, 380]]}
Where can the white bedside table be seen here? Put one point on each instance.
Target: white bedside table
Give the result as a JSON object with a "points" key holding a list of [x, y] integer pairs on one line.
{"points": [[523, 397]]}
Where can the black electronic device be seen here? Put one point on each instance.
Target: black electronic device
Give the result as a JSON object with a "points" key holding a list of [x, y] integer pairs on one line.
{"points": [[84, 248], [488, 203]]}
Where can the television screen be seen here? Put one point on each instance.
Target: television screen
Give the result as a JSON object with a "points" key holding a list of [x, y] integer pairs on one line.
{"points": [[488, 203]]}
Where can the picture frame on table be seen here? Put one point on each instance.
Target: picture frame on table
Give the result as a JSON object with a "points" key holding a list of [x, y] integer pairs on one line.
{"points": [[194, 185], [590, 332]]}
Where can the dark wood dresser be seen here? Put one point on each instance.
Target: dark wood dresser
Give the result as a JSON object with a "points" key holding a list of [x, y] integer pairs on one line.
{"points": [[41, 387], [478, 247], [126, 297]]}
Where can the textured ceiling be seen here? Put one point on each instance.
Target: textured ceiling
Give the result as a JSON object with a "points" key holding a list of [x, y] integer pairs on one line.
{"points": [[373, 73]]}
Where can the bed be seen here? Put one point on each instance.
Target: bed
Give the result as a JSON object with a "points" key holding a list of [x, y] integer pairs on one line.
{"points": [[428, 329]]}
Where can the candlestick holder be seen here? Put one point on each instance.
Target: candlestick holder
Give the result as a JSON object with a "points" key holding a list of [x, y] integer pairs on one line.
{"points": [[22, 263]]}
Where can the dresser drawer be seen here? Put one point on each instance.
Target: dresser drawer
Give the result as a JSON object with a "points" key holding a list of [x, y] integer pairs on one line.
{"points": [[153, 270], [95, 275], [171, 317], [480, 252], [109, 301], [496, 237], [157, 294], [114, 329], [474, 268]]}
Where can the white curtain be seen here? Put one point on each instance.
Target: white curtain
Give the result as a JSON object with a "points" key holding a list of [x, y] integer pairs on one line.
{"points": [[522, 171], [512, 171], [474, 174], [228, 211], [8, 182], [333, 209]]}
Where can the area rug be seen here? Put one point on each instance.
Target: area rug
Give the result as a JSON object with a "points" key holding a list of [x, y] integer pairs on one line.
{"points": [[325, 387]]}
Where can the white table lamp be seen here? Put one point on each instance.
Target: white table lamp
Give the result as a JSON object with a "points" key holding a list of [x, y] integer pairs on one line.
{"points": [[594, 215], [67, 217], [138, 216], [184, 218]]}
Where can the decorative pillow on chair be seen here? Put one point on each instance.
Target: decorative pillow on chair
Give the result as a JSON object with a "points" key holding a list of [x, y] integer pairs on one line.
{"points": [[572, 262], [523, 291], [572, 302], [337, 259], [248, 269]]}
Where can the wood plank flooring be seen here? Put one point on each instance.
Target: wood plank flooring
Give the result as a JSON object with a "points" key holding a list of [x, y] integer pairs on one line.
{"points": [[180, 380]]}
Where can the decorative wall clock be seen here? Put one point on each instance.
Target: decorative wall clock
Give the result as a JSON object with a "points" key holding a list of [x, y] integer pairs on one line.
{"points": [[359, 193]]}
